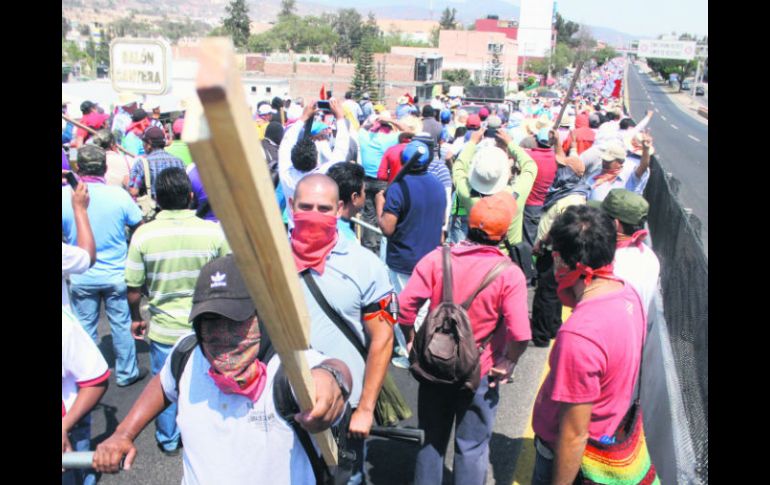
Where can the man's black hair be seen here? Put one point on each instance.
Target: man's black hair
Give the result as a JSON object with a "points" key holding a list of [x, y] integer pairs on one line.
{"points": [[630, 229], [478, 236], [627, 123], [304, 155], [405, 136], [104, 139], [349, 178], [460, 131], [583, 234], [349, 95], [594, 121], [172, 189], [612, 116], [428, 111]]}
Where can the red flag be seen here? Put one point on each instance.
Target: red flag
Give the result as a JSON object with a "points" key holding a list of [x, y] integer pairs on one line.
{"points": [[616, 91], [323, 92]]}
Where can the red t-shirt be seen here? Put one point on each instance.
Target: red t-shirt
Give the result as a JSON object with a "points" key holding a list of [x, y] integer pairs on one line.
{"points": [[545, 158], [391, 162], [595, 359], [92, 120]]}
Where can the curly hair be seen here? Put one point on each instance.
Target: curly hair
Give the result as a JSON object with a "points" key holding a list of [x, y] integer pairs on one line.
{"points": [[304, 155], [583, 234]]}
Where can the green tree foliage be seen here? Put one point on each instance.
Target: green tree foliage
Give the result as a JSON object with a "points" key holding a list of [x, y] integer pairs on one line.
{"points": [[448, 19], [288, 7], [604, 54], [237, 22], [435, 33], [383, 43], [565, 29], [458, 77], [169, 29], [666, 67], [364, 80], [298, 34], [348, 25], [103, 49], [84, 30]]}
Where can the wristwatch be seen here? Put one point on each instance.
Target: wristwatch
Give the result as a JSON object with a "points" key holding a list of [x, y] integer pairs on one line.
{"points": [[344, 389]]}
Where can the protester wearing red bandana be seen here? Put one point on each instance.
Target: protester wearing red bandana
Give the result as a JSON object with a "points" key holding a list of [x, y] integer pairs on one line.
{"points": [[224, 414], [355, 284], [635, 261], [596, 357]]}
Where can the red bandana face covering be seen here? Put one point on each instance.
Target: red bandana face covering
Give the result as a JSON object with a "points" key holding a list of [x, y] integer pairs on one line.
{"points": [[231, 349], [567, 278], [312, 239], [635, 239]]}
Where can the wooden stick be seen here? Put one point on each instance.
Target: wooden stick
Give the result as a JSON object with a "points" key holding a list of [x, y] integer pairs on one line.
{"points": [[93, 132], [568, 96], [361, 223], [231, 164]]}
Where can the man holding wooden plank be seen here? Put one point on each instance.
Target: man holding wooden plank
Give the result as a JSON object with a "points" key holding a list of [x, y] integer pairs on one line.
{"points": [[226, 386]]}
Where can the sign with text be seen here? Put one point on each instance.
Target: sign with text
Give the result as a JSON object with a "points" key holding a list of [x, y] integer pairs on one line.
{"points": [[140, 66], [666, 49]]}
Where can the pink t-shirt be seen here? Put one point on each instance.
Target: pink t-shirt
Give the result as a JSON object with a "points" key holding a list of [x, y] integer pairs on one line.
{"points": [[595, 359], [545, 158], [506, 295]]}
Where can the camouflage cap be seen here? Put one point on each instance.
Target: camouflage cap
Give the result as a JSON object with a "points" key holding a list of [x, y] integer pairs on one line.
{"points": [[92, 160], [624, 205]]}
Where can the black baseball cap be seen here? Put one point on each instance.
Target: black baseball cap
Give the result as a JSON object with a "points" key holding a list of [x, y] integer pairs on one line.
{"points": [[220, 289], [138, 115], [86, 106], [155, 135]]}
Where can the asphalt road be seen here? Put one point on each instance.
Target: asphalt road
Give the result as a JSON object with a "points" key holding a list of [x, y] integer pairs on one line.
{"points": [[388, 462], [681, 142]]}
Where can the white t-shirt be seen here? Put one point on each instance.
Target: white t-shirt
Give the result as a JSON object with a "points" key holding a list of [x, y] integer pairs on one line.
{"points": [[641, 269], [74, 260], [230, 439], [81, 362]]}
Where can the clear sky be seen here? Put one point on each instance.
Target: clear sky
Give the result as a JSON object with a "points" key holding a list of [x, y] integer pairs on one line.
{"points": [[638, 17]]}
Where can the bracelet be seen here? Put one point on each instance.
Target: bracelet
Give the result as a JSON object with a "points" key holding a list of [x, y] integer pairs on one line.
{"points": [[337, 377]]}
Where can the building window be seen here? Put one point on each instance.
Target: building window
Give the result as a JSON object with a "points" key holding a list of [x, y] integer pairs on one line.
{"points": [[495, 48], [268, 90], [253, 89]]}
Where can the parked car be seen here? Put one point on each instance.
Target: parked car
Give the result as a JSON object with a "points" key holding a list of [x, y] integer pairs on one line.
{"points": [[686, 86], [699, 91]]}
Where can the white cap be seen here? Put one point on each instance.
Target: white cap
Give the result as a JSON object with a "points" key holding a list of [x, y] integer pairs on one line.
{"points": [[265, 109]]}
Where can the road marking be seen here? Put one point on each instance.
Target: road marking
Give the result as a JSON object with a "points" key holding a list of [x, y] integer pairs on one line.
{"points": [[693, 138], [657, 110], [674, 127], [663, 118]]}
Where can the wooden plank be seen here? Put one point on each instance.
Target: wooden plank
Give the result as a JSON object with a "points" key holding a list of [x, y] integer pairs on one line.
{"points": [[93, 132], [224, 144], [568, 96]]}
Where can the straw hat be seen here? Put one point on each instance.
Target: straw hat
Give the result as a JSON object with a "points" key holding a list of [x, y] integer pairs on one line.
{"points": [[634, 144], [534, 125]]}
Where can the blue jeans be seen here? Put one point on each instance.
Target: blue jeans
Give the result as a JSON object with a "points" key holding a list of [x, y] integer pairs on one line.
{"points": [[166, 431], [80, 439], [458, 229], [437, 408], [543, 472], [86, 300]]}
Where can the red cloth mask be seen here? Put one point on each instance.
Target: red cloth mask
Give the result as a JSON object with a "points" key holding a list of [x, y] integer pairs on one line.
{"points": [[312, 239], [607, 175], [138, 127], [232, 352], [567, 278], [635, 239]]}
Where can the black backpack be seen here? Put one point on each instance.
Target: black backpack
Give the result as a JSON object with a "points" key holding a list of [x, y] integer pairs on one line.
{"points": [[287, 407], [444, 349]]}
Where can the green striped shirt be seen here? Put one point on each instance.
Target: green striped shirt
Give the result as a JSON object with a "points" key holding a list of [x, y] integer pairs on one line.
{"points": [[167, 254]]}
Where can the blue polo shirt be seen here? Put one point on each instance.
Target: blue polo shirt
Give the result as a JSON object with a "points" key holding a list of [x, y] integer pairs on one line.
{"points": [[627, 179], [344, 230], [109, 211], [353, 279], [373, 147], [418, 230]]}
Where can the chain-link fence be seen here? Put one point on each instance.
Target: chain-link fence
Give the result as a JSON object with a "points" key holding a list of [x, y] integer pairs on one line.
{"points": [[684, 287]]}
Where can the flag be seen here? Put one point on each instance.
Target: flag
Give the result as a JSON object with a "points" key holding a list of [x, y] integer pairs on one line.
{"points": [[323, 92]]}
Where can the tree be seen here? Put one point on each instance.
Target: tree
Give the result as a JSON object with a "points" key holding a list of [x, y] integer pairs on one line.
{"points": [[65, 26], [604, 54], [288, 7], [364, 80], [348, 25], [565, 30], [237, 22], [448, 20], [435, 34], [85, 30], [666, 67], [458, 77]]}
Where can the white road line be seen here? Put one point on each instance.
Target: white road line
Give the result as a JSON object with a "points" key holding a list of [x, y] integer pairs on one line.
{"points": [[693, 138], [674, 127], [656, 110], [662, 117]]}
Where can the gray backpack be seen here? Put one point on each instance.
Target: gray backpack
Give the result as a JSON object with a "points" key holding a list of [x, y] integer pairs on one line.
{"points": [[444, 349]]}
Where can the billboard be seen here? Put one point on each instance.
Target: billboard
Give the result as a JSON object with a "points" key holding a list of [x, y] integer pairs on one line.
{"points": [[667, 49], [140, 66], [535, 28]]}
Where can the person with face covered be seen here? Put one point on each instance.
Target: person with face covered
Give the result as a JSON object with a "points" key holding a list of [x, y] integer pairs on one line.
{"points": [[232, 428], [595, 360], [615, 173], [355, 284], [312, 152]]}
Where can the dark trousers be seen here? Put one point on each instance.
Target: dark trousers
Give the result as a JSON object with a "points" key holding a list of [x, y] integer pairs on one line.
{"points": [[532, 215], [369, 239], [546, 306], [438, 407]]}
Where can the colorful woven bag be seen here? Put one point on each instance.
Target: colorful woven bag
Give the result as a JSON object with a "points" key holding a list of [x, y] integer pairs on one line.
{"points": [[626, 461]]}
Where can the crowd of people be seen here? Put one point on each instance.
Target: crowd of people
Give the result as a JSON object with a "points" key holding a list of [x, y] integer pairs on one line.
{"points": [[378, 206]]}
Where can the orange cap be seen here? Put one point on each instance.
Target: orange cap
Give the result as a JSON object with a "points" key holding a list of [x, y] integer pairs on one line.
{"points": [[493, 215]]}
